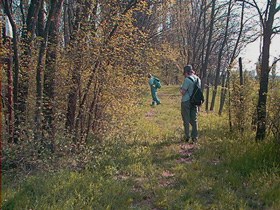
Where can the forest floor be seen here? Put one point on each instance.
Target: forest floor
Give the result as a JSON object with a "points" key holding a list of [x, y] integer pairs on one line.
{"points": [[152, 168]]}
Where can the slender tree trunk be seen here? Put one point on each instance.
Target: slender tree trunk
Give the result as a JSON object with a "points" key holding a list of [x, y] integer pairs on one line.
{"points": [[80, 115], [23, 82], [233, 56], [38, 133], [229, 101], [208, 48], [8, 11], [1, 114], [55, 8], [10, 93], [72, 100], [182, 42], [91, 109], [21, 77], [207, 94], [202, 57], [261, 107], [41, 20], [195, 46], [241, 82], [72, 31], [217, 75], [49, 76], [223, 93], [66, 21], [241, 96]]}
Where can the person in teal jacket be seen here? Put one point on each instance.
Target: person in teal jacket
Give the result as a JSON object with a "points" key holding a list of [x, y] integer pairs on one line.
{"points": [[154, 85], [189, 112]]}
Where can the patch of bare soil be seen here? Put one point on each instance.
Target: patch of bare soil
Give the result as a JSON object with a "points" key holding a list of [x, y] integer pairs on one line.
{"points": [[186, 151], [150, 114], [166, 179]]}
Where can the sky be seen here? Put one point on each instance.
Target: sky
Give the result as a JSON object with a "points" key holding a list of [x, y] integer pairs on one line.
{"points": [[251, 53]]}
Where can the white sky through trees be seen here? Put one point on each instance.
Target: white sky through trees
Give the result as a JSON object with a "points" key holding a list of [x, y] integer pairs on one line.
{"points": [[252, 51]]}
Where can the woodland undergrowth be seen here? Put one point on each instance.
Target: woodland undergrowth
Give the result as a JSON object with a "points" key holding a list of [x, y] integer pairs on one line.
{"points": [[147, 166]]}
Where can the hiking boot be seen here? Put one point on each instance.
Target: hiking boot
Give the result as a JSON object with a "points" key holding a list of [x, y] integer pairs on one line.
{"points": [[194, 140], [186, 140]]}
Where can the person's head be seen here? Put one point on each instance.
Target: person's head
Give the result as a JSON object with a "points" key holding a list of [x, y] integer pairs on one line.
{"points": [[188, 70], [149, 75]]}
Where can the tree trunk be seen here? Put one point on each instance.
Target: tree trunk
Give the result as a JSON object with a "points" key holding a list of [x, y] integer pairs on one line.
{"points": [[21, 77], [49, 76], [241, 96], [39, 93], [8, 11], [195, 46], [217, 76], [207, 94], [10, 93], [223, 93], [261, 107], [55, 7], [202, 58], [241, 82], [233, 56], [41, 20], [66, 21], [229, 102], [1, 115], [91, 109], [71, 35], [208, 48], [72, 100]]}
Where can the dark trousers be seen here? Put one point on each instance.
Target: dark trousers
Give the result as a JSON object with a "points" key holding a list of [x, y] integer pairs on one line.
{"points": [[189, 116]]}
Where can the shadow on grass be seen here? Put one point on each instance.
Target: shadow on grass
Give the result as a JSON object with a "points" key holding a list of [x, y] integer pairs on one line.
{"points": [[262, 157]]}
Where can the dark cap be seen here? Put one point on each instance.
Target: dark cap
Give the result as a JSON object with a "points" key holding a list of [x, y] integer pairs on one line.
{"points": [[188, 69]]}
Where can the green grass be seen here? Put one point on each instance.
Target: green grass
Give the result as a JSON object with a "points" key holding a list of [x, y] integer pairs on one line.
{"points": [[150, 168]]}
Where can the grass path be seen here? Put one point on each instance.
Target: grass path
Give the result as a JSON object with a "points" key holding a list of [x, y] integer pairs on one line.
{"points": [[177, 175], [151, 168], [172, 160]]}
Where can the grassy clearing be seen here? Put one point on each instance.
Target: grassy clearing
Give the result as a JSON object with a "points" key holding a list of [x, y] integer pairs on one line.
{"points": [[151, 168]]}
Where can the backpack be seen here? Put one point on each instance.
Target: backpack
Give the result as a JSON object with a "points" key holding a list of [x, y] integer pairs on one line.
{"points": [[197, 97], [157, 83]]}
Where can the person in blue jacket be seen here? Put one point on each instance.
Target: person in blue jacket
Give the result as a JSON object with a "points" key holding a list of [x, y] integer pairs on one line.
{"points": [[154, 85]]}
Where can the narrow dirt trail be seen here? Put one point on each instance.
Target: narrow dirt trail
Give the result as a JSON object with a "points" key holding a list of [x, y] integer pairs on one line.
{"points": [[168, 154]]}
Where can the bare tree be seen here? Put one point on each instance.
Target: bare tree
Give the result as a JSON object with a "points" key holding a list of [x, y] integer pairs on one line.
{"points": [[55, 10], [1, 117], [76, 16], [208, 46], [49, 75], [266, 17], [7, 5], [220, 54]]}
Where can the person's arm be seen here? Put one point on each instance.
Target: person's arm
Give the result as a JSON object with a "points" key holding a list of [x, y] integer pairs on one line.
{"points": [[184, 88], [183, 91], [151, 82]]}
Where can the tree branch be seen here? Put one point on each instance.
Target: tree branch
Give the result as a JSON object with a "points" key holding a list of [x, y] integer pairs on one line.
{"points": [[276, 29], [255, 5], [277, 9], [275, 61]]}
